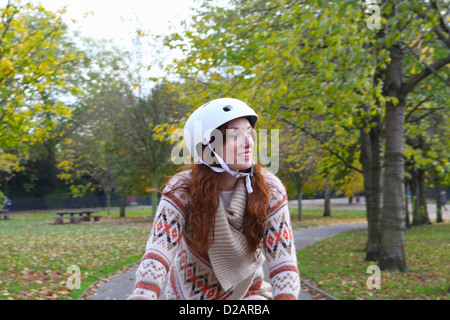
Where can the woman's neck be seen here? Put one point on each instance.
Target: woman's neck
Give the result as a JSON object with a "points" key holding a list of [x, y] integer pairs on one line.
{"points": [[228, 181]]}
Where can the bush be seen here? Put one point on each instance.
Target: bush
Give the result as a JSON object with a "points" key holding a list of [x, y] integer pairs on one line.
{"points": [[2, 200]]}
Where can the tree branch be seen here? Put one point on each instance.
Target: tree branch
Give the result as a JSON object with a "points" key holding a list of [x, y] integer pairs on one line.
{"points": [[323, 145], [417, 106], [442, 21], [440, 34], [429, 69]]}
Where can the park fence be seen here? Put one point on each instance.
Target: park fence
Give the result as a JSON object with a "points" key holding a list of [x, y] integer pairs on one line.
{"points": [[74, 203]]}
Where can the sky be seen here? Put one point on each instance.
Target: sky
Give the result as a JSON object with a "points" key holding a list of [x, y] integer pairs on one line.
{"points": [[118, 20]]}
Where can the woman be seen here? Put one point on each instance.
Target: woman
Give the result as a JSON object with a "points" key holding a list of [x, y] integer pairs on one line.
{"points": [[214, 218]]}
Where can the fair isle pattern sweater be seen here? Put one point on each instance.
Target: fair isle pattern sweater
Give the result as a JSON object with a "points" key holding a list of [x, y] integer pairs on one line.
{"points": [[169, 251]]}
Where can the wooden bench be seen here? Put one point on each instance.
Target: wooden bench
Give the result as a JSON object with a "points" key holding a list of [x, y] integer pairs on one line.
{"points": [[88, 218], [75, 215], [72, 219], [5, 215]]}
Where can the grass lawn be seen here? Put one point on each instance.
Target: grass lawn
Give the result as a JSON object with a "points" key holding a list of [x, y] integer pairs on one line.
{"points": [[35, 254], [337, 266], [315, 218]]}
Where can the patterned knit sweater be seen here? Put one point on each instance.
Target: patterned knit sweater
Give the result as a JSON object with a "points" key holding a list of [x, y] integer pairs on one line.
{"points": [[192, 276]]}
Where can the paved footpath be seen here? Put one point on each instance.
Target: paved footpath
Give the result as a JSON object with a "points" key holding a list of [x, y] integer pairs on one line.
{"points": [[120, 286]]}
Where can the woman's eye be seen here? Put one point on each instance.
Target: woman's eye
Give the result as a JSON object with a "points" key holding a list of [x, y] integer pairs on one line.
{"points": [[234, 135]]}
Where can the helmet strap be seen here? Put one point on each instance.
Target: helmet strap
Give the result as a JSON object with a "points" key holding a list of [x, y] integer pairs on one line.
{"points": [[225, 168]]}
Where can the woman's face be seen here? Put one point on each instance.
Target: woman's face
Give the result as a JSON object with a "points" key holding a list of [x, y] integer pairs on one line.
{"points": [[238, 145]]}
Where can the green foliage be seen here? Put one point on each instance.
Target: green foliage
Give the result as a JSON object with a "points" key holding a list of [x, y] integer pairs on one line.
{"points": [[34, 59], [2, 200], [290, 61], [37, 66], [315, 65]]}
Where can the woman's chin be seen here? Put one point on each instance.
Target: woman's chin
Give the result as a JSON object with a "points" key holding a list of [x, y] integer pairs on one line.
{"points": [[240, 167]]}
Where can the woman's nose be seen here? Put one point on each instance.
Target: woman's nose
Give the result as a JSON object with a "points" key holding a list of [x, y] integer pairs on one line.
{"points": [[248, 141]]}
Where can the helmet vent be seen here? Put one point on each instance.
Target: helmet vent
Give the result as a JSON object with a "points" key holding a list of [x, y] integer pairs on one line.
{"points": [[227, 108]]}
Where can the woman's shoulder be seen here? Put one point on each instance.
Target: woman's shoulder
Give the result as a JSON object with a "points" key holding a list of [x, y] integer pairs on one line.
{"points": [[178, 182], [176, 188], [278, 195], [274, 183]]}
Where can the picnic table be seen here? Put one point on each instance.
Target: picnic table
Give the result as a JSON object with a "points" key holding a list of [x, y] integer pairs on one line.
{"points": [[5, 213], [75, 216]]}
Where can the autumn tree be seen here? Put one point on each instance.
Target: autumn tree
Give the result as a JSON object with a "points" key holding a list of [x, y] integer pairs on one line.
{"points": [[33, 58], [298, 63], [324, 68], [400, 79], [142, 139], [426, 149], [298, 164], [37, 57]]}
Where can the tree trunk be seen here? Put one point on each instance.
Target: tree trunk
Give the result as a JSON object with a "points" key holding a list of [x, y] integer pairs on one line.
{"points": [[155, 195], [371, 166], [299, 197], [108, 202], [154, 200], [437, 197], [408, 225], [327, 207], [123, 202], [414, 199], [392, 254], [424, 219]]}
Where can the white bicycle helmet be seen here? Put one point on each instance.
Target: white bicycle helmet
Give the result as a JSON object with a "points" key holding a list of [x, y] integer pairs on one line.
{"points": [[210, 116]]}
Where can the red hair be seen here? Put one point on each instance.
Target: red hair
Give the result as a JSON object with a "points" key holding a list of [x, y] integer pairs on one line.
{"points": [[203, 189]]}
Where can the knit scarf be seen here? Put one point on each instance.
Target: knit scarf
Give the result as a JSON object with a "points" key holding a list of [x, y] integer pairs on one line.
{"points": [[231, 259]]}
